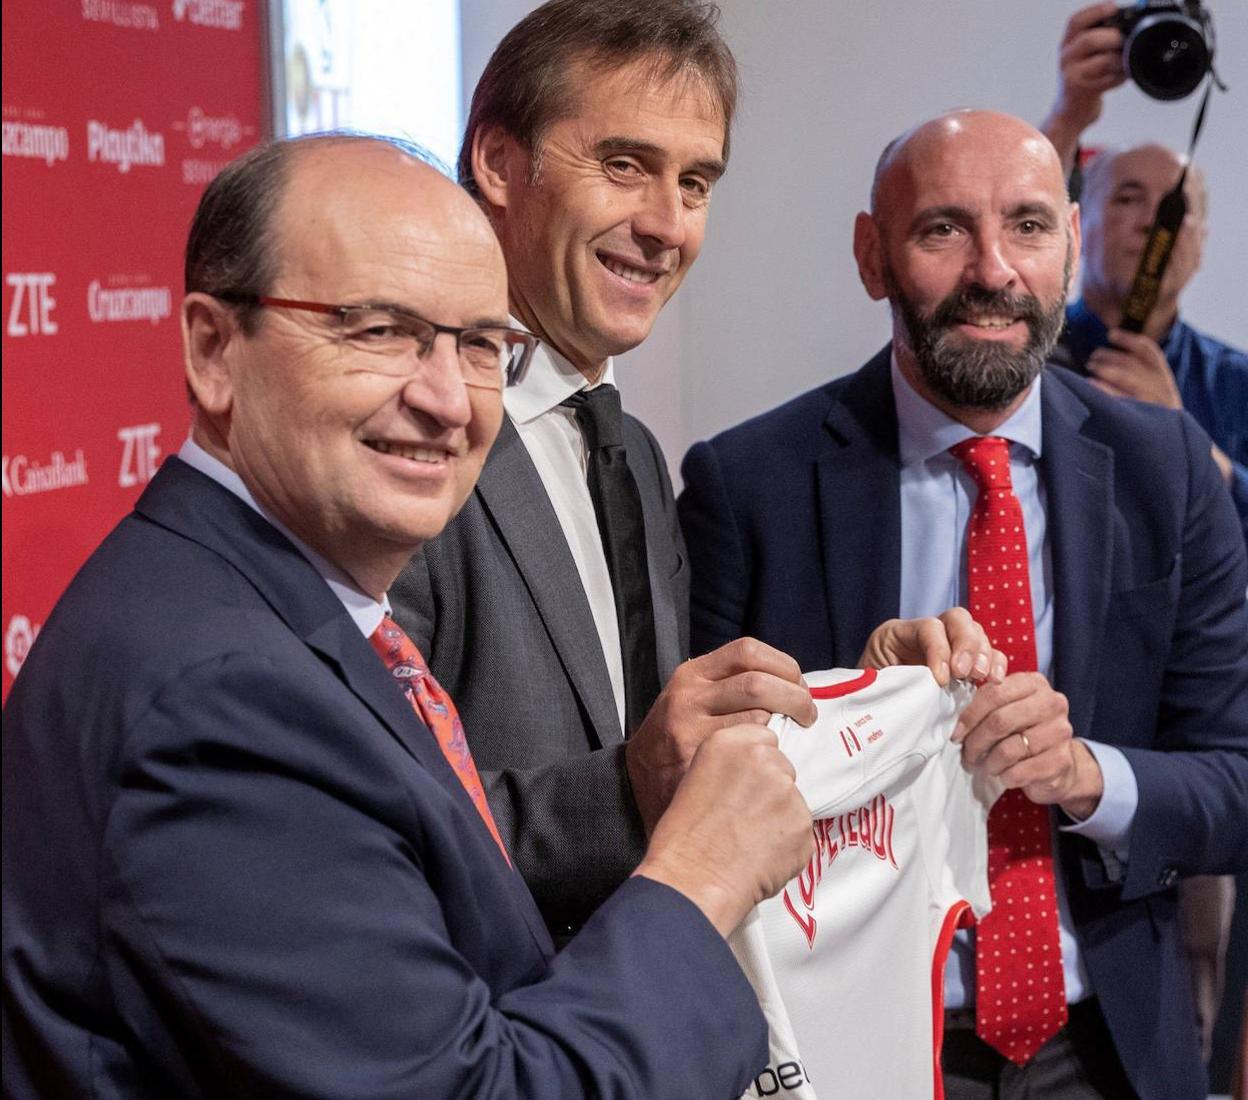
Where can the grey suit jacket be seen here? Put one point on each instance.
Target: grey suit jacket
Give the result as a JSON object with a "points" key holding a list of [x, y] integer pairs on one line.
{"points": [[497, 606]]}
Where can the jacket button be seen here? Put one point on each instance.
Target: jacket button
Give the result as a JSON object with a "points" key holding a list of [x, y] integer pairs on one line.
{"points": [[1168, 877]]}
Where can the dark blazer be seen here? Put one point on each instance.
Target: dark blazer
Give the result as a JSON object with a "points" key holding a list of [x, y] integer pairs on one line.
{"points": [[497, 606], [793, 523], [236, 864]]}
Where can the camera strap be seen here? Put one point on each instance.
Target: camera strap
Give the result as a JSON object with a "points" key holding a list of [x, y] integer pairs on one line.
{"points": [[1146, 287]]}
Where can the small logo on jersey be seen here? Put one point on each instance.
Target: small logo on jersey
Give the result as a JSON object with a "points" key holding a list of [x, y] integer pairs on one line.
{"points": [[782, 1077], [869, 828]]}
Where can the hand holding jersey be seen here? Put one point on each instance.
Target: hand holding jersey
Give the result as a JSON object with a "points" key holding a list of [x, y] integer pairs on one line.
{"points": [[1019, 733]]}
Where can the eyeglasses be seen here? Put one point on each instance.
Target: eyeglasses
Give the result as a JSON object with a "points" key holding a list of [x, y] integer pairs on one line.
{"points": [[492, 356]]}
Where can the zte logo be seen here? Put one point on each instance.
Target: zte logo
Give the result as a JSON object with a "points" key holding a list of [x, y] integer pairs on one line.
{"points": [[30, 310], [139, 454]]}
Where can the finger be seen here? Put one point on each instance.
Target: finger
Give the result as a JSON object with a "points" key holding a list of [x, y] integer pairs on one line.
{"points": [[932, 641], [988, 699], [1040, 715], [971, 652], [1142, 348], [1000, 667], [745, 655], [1105, 387], [758, 695], [1088, 17], [1093, 41], [1030, 754], [989, 713], [1046, 774]]}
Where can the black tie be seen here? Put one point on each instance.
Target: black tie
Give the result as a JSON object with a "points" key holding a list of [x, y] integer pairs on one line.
{"points": [[617, 506]]}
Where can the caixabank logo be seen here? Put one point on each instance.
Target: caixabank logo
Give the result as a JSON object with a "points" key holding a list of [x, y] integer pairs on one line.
{"points": [[226, 15], [24, 476], [19, 636]]}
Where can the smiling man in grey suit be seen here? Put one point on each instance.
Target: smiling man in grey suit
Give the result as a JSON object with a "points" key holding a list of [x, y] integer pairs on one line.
{"points": [[596, 135]]}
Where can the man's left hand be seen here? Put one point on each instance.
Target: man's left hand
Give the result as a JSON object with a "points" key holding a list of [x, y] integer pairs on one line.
{"points": [[951, 644], [1019, 732], [1133, 365]]}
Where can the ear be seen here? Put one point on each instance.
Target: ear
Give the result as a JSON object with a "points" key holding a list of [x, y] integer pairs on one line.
{"points": [[1076, 245], [210, 337], [495, 165], [869, 252]]}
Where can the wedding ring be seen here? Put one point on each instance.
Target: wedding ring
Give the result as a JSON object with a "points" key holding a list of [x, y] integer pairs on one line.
{"points": [[1026, 744]]}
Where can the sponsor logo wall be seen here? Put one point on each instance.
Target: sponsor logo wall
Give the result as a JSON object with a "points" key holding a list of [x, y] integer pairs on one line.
{"points": [[114, 115]]}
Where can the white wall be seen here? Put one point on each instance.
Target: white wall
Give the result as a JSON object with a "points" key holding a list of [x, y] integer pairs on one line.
{"points": [[774, 306]]}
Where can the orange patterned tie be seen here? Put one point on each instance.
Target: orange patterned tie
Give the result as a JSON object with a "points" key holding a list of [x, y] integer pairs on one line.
{"points": [[437, 711], [1020, 992]]}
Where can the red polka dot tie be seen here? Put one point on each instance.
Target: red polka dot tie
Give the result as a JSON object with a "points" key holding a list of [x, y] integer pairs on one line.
{"points": [[436, 710], [1020, 994]]}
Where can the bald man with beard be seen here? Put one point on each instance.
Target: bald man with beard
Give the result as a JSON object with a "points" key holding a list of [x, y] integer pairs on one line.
{"points": [[1122, 731]]}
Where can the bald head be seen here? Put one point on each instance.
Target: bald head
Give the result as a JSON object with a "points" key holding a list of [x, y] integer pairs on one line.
{"points": [[962, 131]]}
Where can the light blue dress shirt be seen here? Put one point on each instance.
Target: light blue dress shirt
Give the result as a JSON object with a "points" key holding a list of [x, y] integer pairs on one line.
{"points": [[937, 495]]}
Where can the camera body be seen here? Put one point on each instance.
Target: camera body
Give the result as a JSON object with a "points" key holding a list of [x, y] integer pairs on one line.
{"points": [[1167, 46]]}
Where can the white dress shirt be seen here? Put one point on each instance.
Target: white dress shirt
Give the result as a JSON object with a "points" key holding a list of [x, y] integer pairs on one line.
{"points": [[553, 439], [366, 612]]}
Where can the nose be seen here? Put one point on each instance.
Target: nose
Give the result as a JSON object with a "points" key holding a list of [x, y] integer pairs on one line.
{"points": [[437, 388], [661, 216], [989, 264]]}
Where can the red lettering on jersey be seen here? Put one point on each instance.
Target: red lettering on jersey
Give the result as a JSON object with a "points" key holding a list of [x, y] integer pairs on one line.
{"points": [[869, 827]]}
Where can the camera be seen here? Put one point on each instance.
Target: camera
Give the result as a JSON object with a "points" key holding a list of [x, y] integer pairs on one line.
{"points": [[1167, 46]]}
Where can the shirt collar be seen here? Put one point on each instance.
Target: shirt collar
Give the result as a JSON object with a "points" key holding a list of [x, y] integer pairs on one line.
{"points": [[366, 612], [550, 379], [923, 431]]}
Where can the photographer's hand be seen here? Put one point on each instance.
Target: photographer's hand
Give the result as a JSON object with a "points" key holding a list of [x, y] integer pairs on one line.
{"points": [[1090, 65]]}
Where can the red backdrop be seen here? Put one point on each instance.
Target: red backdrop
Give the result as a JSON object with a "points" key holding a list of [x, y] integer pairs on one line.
{"points": [[115, 115]]}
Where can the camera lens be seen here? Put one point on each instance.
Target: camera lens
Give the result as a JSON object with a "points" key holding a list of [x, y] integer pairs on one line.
{"points": [[1167, 56]]}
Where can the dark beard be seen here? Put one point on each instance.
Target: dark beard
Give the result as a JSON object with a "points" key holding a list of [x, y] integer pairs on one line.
{"points": [[981, 374]]}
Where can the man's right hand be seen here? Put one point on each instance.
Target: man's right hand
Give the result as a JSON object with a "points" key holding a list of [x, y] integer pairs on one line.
{"points": [[737, 829], [1090, 65], [743, 681]]}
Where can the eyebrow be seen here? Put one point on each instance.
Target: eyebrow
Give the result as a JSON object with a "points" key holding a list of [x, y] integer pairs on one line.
{"points": [[965, 216], [398, 307], [608, 146]]}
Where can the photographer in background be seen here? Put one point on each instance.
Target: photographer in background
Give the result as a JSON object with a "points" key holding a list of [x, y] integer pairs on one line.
{"points": [[1169, 363]]}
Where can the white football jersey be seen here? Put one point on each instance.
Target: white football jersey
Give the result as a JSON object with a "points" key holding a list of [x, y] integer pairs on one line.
{"points": [[848, 959]]}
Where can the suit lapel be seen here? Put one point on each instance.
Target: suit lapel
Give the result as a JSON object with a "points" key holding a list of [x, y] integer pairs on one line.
{"points": [[858, 474], [513, 495], [1078, 478], [192, 504]]}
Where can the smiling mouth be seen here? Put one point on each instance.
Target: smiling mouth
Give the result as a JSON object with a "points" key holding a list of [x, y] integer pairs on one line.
{"points": [[409, 451], [627, 272], [990, 324]]}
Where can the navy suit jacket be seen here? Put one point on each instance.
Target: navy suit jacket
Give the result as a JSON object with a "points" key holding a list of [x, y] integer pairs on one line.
{"points": [[237, 864], [793, 528]]}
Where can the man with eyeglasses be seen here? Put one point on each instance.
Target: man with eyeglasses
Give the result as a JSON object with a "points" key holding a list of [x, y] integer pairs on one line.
{"points": [[596, 136], [247, 851]]}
